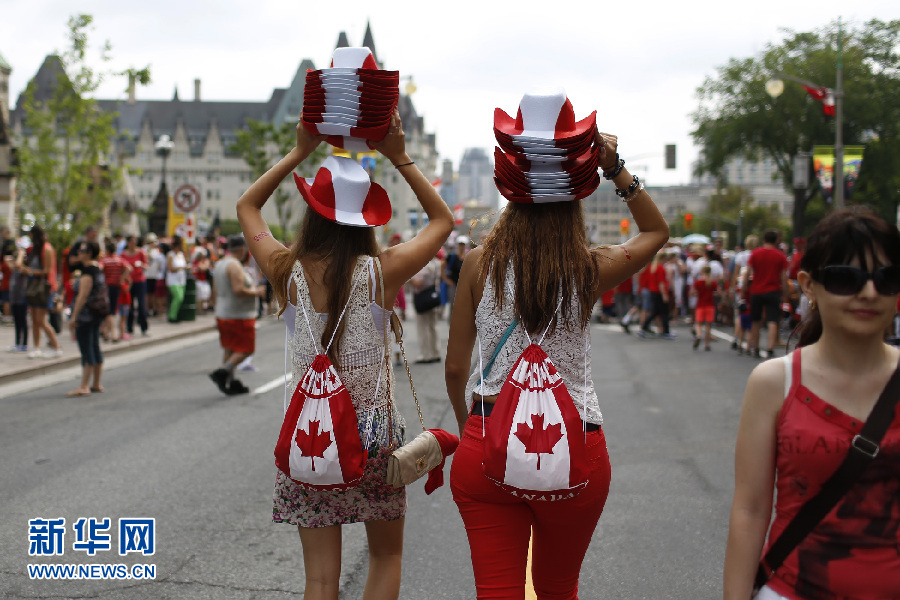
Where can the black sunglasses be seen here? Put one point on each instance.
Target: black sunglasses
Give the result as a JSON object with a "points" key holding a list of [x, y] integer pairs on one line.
{"points": [[845, 280]]}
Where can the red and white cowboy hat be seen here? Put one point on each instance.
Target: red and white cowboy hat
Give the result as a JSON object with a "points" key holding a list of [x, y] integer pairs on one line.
{"points": [[352, 99], [342, 192], [546, 117], [544, 155]]}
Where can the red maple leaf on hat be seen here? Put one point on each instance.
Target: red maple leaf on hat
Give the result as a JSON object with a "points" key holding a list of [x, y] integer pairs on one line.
{"points": [[313, 444], [537, 439]]}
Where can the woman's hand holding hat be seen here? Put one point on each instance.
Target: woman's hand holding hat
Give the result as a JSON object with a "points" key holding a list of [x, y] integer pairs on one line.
{"points": [[306, 141], [608, 144], [393, 146]]}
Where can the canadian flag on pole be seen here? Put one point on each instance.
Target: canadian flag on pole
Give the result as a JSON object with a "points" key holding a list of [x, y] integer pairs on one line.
{"points": [[823, 95]]}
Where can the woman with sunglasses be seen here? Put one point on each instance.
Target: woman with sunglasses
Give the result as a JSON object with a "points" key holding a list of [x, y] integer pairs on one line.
{"points": [[800, 415]]}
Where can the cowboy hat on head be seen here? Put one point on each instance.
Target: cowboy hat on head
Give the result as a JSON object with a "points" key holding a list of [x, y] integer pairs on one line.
{"points": [[545, 116], [342, 192]]}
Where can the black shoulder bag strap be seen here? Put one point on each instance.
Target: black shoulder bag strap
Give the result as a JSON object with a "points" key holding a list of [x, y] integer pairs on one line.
{"points": [[863, 449]]}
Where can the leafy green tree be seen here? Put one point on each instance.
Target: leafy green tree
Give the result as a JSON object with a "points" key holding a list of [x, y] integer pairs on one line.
{"points": [[65, 175], [734, 205], [737, 118], [261, 145]]}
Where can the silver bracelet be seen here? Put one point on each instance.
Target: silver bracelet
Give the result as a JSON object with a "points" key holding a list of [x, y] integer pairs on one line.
{"points": [[634, 194]]}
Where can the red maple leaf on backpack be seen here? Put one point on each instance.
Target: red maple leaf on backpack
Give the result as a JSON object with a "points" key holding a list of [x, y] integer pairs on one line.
{"points": [[313, 444], [537, 439]]}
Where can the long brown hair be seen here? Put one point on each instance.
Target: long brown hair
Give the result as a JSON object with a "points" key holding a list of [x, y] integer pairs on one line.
{"points": [[855, 232], [550, 255], [338, 245]]}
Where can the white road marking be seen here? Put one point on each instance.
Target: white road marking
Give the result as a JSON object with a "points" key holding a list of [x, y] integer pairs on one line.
{"points": [[278, 381]]}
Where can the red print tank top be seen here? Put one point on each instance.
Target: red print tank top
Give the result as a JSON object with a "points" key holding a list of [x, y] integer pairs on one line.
{"points": [[855, 551]]}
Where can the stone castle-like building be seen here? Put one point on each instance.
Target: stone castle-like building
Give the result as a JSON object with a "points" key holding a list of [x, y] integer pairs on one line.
{"points": [[203, 133]]}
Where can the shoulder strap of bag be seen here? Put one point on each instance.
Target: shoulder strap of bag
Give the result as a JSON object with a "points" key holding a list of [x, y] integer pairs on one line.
{"points": [[399, 339], [863, 449]]}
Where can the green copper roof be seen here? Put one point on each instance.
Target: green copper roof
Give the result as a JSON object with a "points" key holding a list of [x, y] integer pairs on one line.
{"points": [[4, 64]]}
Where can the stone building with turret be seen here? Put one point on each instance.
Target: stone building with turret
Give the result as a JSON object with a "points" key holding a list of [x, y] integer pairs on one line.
{"points": [[203, 133]]}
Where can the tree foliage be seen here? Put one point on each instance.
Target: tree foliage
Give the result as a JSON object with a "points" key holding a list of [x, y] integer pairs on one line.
{"points": [[737, 118], [261, 145], [66, 174], [733, 208]]}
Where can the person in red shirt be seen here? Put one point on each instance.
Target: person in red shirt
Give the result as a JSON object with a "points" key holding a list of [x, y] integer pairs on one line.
{"points": [[705, 290], [115, 271], [767, 285], [800, 417], [658, 285], [136, 257]]}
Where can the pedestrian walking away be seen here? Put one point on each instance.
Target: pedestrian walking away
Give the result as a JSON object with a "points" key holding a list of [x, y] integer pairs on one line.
{"points": [[236, 295], [766, 283], [537, 272], [137, 259], [820, 432], [331, 300]]}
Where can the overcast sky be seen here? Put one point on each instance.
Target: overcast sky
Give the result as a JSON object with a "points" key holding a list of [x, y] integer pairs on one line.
{"points": [[638, 62]]}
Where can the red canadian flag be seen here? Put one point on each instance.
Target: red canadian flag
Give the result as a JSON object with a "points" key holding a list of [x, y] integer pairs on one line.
{"points": [[823, 95]]}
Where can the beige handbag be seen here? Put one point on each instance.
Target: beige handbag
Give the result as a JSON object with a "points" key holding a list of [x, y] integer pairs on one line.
{"points": [[415, 459]]}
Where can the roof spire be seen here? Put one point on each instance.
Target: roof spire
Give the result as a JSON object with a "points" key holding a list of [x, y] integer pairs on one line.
{"points": [[369, 42], [342, 41]]}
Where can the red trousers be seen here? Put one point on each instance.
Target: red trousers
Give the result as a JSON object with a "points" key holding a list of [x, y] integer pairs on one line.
{"points": [[499, 525]]}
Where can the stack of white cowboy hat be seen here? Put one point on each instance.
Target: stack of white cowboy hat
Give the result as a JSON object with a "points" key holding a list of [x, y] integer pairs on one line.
{"points": [[544, 154], [352, 101], [342, 192]]}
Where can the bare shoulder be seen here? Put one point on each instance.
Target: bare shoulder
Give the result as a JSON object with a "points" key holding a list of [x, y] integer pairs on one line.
{"points": [[765, 386]]}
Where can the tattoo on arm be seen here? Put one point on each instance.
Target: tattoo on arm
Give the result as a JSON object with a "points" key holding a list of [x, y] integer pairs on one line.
{"points": [[260, 236]]}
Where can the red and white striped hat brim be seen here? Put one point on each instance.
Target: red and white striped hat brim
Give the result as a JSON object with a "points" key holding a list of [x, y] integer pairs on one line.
{"points": [[342, 192]]}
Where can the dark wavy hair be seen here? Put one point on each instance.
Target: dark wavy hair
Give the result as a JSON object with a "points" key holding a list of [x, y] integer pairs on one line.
{"points": [[340, 245], [548, 248], [842, 236]]}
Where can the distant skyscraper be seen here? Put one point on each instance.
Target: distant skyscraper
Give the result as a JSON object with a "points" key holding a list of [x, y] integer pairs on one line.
{"points": [[476, 179]]}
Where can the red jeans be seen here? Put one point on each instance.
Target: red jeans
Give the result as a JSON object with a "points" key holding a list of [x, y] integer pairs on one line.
{"points": [[499, 525]]}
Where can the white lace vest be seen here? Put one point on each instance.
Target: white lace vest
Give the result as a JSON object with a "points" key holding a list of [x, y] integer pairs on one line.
{"points": [[566, 348], [362, 356]]}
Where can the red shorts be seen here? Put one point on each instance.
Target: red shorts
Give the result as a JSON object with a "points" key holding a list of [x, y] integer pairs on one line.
{"points": [[237, 335], [705, 314]]}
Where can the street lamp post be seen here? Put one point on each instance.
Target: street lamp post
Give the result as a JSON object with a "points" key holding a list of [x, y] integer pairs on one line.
{"points": [[159, 211], [775, 86]]}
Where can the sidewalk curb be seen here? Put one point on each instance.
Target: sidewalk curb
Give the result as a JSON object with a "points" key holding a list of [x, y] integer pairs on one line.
{"points": [[42, 368]]}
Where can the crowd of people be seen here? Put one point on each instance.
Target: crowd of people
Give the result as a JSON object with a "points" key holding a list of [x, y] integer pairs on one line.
{"points": [[752, 288], [142, 278]]}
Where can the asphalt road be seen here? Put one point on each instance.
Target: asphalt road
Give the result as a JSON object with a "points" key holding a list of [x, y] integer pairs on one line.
{"points": [[163, 443]]}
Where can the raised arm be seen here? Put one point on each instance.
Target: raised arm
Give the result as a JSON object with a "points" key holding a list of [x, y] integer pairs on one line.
{"points": [[624, 260], [249, 207], [404, 260]]}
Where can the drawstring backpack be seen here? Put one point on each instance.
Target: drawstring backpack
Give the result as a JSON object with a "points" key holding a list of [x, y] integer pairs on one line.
{"points": [[535, 439], [319, 446]]}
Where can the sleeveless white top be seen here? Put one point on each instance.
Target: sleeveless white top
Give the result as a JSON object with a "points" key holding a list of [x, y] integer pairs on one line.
{"points": [[364, 363], [567, 349]]}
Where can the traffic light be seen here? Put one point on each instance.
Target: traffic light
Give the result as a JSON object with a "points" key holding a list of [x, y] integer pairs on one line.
{"points": [[670, 156], [688, 221], [623, 226]]}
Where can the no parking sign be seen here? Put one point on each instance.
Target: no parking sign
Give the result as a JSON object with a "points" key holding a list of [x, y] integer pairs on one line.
{"points": [[186, 199]]}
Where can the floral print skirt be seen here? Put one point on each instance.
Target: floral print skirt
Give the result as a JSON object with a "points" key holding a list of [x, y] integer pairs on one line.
{"points": [[372, 500]]}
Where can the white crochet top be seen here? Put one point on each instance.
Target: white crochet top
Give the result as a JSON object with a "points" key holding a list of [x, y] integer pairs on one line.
{"points": [[365, 366], [567, 347]]}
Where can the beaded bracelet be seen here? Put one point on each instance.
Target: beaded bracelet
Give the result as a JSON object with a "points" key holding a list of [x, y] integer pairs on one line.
{"points": [[634, 195], [635, 182], [612, 173]]}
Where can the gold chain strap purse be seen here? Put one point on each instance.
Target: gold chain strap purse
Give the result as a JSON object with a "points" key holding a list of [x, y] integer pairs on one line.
{"points": [[413, 460]]}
